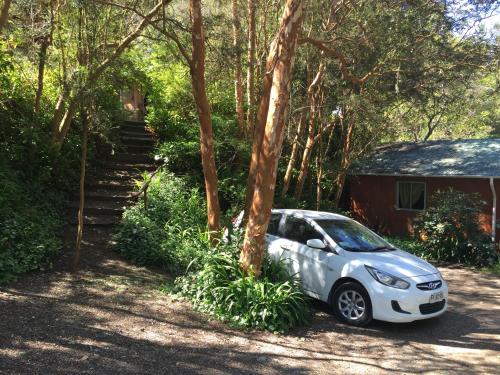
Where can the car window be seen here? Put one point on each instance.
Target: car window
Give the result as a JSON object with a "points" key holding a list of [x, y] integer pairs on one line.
{"points": [[274, 224], [299, 230], [353, 236]]}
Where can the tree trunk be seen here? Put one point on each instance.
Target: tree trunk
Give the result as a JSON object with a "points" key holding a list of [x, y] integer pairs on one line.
{"points": [[238, 87], [4, 14], [42, 57], [319, 174], [344, 164], [59, 112], [260, 126], [431, 126], [258, 220], [313, 94], [252, 7], [197, 70], [79, 233], [294, 152]]}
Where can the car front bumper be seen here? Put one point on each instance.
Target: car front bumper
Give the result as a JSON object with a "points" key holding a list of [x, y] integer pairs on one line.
{"points": [[407, 305]]}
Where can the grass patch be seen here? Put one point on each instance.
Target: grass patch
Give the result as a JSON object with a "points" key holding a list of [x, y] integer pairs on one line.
{"points": [[492, 270]]}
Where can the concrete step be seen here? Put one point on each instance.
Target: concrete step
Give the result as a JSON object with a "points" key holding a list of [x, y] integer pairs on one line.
{"points": [[117, 174], [131, 167], [92, 235], [135, 134], [111, 185], [105, 195], [133, 126], [96, 207], [132, 158], [95, 220], [134, 122], [138, 141], [133, 130], [139, 149]]}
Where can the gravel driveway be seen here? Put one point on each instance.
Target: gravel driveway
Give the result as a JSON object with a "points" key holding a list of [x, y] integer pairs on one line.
{"points": [[110, 318]]}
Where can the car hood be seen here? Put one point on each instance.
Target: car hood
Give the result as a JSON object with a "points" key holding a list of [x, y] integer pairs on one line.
{"points": [[398, 263]]}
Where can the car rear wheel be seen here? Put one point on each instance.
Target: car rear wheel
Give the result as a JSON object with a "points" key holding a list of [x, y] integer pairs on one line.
{"points": [[351, 304]]}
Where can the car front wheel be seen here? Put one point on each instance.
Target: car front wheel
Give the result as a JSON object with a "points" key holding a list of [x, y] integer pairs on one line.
{"points": [[351, 304]]}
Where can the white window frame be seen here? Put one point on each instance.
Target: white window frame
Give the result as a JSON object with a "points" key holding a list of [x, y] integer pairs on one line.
{"points": [[410, 209]]}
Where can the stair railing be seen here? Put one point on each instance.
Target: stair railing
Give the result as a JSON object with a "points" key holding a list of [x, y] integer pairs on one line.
{"points": [[144, 188]]}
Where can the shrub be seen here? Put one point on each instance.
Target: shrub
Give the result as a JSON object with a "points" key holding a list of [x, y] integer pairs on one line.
{"points": [[449, 229], [274, 302], [28, 229], [167, 233], [409, 244]]}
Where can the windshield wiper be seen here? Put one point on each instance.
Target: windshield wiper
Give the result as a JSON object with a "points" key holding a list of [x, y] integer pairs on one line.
{"points": [[380, 248]]}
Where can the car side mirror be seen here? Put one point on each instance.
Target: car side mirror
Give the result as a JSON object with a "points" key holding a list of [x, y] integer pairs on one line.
{"points": [[316, 243]]}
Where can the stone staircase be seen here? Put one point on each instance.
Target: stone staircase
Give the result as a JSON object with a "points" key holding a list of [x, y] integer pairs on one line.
{"points": [[109, 190]]}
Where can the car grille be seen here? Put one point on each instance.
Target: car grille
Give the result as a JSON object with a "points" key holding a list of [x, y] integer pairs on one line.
{"points": [[430, 285], [430, 308]]}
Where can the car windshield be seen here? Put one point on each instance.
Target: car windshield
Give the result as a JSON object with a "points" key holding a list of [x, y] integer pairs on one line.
{"points": [[352, 236]]}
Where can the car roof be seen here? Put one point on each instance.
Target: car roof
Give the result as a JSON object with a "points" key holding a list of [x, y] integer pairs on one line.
{"points": [[312, 215]]}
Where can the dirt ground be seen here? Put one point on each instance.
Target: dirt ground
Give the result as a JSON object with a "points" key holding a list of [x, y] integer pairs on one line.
{"points": [[110, 318]]}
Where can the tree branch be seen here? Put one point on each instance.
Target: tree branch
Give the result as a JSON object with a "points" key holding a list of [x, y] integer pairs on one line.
{"points": [[346, 73]]}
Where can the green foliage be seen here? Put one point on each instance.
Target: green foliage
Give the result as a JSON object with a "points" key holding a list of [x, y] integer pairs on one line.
{"points": [[409, 244], [274, 302], [450, 230], [169, 234], [493, 269], [28, 228], [166, 233], [170, 109]]}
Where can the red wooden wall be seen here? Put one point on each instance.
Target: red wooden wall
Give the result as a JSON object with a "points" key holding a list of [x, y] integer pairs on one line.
{"points": [[373, 200]]}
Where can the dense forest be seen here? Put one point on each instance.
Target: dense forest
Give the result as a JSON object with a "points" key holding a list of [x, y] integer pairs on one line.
{"points": [[254, 104]]}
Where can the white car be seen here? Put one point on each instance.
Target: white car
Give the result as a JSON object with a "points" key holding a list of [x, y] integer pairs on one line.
{"points": [[359, 274]]}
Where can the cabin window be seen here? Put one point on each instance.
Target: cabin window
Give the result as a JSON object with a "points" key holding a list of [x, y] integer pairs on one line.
{"points": [[410, 195]]}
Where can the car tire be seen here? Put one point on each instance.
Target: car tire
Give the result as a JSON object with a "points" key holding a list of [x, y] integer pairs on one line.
{"points": [[351, 304]]}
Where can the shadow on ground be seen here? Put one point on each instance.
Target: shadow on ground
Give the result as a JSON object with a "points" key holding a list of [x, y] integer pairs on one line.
{"points": [[109, 318]]}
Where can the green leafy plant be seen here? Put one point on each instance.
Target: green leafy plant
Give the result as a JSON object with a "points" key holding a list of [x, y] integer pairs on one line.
{"points": [[166, 233], [28, 230], [273, 302], [450, 231]]}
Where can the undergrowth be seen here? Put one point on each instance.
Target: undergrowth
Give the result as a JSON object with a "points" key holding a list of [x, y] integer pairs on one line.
{"points": [[273, 302], [28, 229], [170, 233], [166, 232]]}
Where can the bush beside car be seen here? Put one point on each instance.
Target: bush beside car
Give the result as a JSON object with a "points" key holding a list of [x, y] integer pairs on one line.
{"points": [[170, 232]]}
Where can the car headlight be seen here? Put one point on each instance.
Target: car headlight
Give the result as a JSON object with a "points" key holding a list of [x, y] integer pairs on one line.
{"points": [[387, 279]]}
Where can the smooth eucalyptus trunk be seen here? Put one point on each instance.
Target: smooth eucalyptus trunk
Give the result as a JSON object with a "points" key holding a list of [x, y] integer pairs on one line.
{"points": [[345, 162], [260, 125], [197, 70], [81, 216], [238, 86], [313, 93], [252, 37], [265, 182], [4, 14], [42, 58], [294, 152]]}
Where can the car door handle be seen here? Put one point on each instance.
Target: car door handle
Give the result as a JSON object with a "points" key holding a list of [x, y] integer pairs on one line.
{"points": [[285, 247]]}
